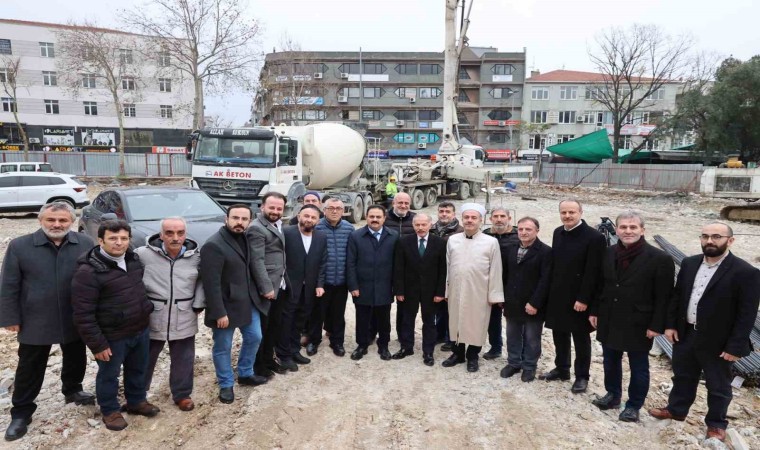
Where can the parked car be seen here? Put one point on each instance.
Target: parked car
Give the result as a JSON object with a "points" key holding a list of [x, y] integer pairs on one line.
{"points": [[143, 208], [25, 167], [28, 191]]}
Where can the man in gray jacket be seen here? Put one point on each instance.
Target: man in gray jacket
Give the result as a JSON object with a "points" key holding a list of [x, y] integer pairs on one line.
{"points": [[173, 284], [35, 303]]}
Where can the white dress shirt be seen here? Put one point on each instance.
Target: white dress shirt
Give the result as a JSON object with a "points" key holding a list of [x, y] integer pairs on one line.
{"points": [[704, 275]]}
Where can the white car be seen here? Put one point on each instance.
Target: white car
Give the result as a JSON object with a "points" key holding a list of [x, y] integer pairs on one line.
{"points": [[28, 191], [25, 167]]}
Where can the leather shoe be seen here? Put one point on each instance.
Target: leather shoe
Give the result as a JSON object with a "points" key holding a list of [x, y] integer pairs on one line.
{"points": [[472, 365], [289, 365], [492, 354], [607, 402], [385, 355], [264, 372], [428, 359], [17, 429], [277, 368], [359, 353], [338, 350], [115, 421], [509, 371], [81, 398], [300, 359], [528, 375], [142, 409], [185, 404], [716, 433], [579, 386], [664, 413], [311, 349], [226, 395], [403, 353], [254, 380], [555, 374], [452, 360], [629, 415], [447, 347]]}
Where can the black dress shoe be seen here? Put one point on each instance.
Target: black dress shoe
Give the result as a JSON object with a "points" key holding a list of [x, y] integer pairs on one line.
{"points": [[278, 368], [385, 355], [300, 359], [311, 349], [447, 347], [579, 386], [289, 365], [226, 395], [81, 398], [528, 375], [403, 353], [359, 353], [555, 374], [509, 371], [607, 402], [492, 354], [17, 429], [254, 380], [629, 415], [472, 365], [338, 350], [428, 359], [453, 360], [264, 372]]}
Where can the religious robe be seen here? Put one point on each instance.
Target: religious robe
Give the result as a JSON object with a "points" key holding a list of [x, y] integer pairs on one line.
{"points": [[473, 284]]}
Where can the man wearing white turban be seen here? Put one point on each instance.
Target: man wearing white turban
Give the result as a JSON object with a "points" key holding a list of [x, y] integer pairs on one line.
{"points": [[474, 284]]}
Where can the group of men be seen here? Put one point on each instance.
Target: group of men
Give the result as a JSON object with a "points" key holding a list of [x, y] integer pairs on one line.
{"points": [[282, 286]]}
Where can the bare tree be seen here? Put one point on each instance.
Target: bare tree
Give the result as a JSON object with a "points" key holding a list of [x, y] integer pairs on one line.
{"points": [[210, 40], [9, 80], [635, 63]]}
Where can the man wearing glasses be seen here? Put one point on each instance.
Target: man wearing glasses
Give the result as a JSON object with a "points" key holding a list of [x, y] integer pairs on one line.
{"points": [[709, 322]]}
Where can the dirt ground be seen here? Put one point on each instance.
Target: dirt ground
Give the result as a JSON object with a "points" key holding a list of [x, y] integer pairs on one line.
{"points": [[339, 403]]}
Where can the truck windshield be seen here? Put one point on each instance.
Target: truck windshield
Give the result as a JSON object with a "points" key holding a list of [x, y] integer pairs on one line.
{"points": [[236, 152]]}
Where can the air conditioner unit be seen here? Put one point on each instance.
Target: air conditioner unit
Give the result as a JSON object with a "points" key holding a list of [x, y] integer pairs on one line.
{"points": [[580, 118], [422, 145], [342, 99], [317, 75], [412, 100], [399, 123], [344, 76], [502, 123]]}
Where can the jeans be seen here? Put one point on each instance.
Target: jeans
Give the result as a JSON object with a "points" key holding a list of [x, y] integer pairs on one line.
{"points": [[638, 387], [494, 330], [133, 354], [524, 343], [222, 350], [181, 360]]}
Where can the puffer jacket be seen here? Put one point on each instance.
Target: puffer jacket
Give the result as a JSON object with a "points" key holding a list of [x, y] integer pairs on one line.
{"points": [[337, 248], [174, 287], [108, 303]]}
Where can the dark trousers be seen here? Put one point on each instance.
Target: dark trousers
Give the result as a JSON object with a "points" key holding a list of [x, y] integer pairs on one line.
{"points": [[638, 387], [442, 322], [524, 343], [494, 330], [330, 311], [181, 360], [364, 317], [688, 364], [470, 354], [271, 324], [132, 353], [409, 317], [30, 373], [294, 316], [582, 342]]}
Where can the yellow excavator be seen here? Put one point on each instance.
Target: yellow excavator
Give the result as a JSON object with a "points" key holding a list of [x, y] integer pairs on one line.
{"points": [[733, 180]]}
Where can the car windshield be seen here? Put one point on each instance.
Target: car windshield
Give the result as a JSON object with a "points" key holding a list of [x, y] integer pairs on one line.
{"points": [[157, 205], [233, 151]]}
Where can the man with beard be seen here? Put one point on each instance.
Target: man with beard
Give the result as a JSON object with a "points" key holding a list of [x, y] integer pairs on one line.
{"points": [[446, 226], [305, 254], [504, 232], [474, 284], [232, 301], [309, 198], [266, 247], [35, 303], [399, 217], [710, 319]]}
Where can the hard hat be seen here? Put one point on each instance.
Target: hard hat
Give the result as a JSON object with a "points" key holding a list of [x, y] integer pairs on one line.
{"points": [[393, 178]]}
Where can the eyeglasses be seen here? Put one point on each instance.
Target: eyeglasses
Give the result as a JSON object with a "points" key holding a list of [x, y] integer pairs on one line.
{"points": [[333, 208], [714, 237]]}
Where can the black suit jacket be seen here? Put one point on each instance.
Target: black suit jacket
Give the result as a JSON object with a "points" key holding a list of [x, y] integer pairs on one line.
{"points": [[526, 281], [727, 310], [419, 278], [305, 271]]}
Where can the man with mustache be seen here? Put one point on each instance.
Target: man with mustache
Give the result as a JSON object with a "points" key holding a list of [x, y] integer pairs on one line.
{"points": [[709, 321], [446, 226]]}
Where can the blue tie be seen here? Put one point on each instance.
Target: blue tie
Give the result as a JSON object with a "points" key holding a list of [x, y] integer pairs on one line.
{"points": [[377, 235]]}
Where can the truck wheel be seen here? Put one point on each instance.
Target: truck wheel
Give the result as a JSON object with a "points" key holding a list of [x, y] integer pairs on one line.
{"points": [[431, 195], [357, 210], [476, 189], [368, 201], [418, 199], [464, 190]]}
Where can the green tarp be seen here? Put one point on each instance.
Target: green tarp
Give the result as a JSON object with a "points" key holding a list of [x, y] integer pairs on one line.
{"points": [[593, 147]]}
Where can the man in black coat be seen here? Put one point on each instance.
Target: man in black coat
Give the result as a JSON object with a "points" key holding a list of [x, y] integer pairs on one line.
{"points": [[446, 226], [232, 301], [35, 302], [710, 318], [577, 252], [630, 312], [306, 257], [399, 218], [419, 280], [527, 266]]}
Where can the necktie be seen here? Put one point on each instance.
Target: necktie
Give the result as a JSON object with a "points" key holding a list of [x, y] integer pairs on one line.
{"points": [[376, 234], [422, 247]]}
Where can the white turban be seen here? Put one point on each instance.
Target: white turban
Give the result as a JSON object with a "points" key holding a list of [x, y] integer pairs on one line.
{"points": [[474, 207]]}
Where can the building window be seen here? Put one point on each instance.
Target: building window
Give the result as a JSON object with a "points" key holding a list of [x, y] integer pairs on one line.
{"points": [[164, 59], [463, 75], [501, 92], [539, 93], [90, 108], [594, 117], [373, 92], [497, 138], [562, 138], [432, 92], [374, 68], [627, 143], [349, 68], [568, 92], [88, 81], [652, 144], [503, 69], [51, 107], [407, 69], [462, 119], [166, 111], [125, 56], [4, 76], [349, 92], [9, 104], [129, 110], [429, 115], [128, 83], [165, 84], [5, 47], [47, 50], [430, 69], [406, 92], [593, 93], [499, 114], [655, 95], [567, 117], [463, 97], [405, 115], [372, 115], [49, 78], [537, 142], [538, 116]]}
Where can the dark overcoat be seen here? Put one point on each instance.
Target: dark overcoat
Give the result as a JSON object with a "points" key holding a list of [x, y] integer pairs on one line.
{"points": [[369, 266], [306, 271], [419, 278], [527, 281]]}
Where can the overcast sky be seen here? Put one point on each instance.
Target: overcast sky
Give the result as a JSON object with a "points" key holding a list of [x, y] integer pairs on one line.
{"points": [[556, 33]]}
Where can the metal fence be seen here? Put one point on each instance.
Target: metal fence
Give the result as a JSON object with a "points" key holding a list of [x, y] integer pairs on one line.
{"points": [[654, 177], [107, 164]]}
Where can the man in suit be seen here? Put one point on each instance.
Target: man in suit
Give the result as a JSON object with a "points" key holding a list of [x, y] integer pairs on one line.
{"points": [[266, 247], [446, 226], [369, 276], [232, 301], [306, 255], [709, 320], [630, 312], [419, 280]]}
